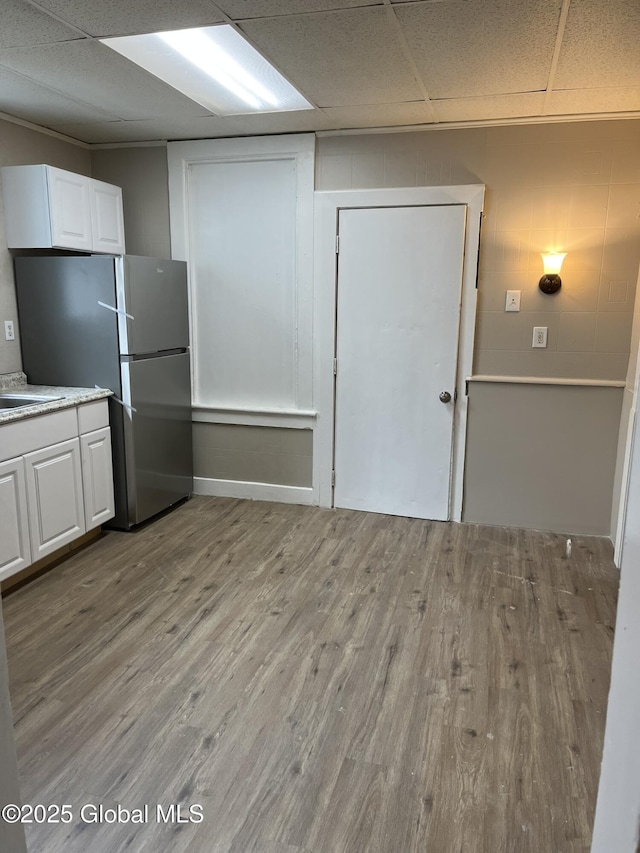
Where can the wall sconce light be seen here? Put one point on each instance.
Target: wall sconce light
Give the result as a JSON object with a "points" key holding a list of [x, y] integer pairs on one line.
{"points": [[552, 263]]}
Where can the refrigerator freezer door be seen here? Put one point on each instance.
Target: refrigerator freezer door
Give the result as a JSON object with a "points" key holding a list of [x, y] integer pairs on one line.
{"points": [[68, 336], [153, 305], [157, 422]]}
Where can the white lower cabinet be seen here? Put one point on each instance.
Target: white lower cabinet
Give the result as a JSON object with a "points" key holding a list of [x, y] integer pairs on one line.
{"points": [[97, 477], [54, 497], [15, 549], [57, 485]]}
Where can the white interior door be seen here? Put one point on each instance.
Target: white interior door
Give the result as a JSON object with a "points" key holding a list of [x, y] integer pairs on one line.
{"points": [[398, 311]]}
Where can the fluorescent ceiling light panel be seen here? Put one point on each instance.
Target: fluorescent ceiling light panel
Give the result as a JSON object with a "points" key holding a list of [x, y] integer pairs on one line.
{"points": [[215, 67]]}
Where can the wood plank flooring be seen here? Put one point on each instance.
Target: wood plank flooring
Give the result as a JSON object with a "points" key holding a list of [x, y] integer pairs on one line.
{"points": [[319, 681]]}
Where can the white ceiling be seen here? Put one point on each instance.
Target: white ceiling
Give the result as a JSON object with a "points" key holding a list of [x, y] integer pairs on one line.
{"points": [[362, 63]]}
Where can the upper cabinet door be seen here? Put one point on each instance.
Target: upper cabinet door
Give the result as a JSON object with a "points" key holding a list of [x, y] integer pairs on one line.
{"points": [[106, 217], [70, 210]]}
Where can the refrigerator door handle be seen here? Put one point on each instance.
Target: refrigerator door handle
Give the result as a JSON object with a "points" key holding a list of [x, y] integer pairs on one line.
{"points": [[116, 310], [117, 399]]}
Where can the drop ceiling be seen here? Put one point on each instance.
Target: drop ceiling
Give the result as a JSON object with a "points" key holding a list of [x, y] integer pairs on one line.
{"points": [[361, 63]]}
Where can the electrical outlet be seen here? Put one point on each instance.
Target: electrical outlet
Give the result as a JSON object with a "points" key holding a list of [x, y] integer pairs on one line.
{"points": [[512, 302], [9, 333], [539, 337]]}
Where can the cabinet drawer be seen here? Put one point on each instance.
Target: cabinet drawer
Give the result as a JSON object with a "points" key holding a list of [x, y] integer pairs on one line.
{"points": [[24, 436], [92, 416]]}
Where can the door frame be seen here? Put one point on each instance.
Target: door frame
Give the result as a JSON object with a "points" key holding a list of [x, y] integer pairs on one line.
{"points": [[327, 207]]}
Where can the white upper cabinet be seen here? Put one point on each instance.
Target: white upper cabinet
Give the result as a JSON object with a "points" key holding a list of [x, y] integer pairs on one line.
{"points": [[107, 225], [47, 208]]}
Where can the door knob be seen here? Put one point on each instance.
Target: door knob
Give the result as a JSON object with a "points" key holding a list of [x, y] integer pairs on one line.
{"points": [[445, 397]]}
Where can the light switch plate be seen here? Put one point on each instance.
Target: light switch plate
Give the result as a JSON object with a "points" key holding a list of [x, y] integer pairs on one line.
{"points": [[539, 337], [512, 302]]}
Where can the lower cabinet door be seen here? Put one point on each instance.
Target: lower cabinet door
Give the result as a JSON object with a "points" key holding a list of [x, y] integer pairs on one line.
{"points": [[97, 477], [54, 496], [15, 549]]}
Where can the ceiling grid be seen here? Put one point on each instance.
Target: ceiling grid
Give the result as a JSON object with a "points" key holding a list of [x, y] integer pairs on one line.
{"points": [[556, 54], [361, 63]]}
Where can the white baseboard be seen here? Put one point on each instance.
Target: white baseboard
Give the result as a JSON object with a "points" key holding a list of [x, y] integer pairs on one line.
{"points": [[253, 491]]}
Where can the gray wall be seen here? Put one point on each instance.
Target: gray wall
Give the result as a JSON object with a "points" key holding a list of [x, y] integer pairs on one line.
{"points": [[543, 452], [142, 174], [573, 187], [20, 146], [570, 186], [11, 835], [253, 453]]}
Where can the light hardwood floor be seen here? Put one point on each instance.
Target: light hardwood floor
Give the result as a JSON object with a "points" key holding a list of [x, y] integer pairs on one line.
{"points": [[319, 681]]}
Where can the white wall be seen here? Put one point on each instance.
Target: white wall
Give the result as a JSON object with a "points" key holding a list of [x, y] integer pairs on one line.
{"points": [[617, 822], [625, 437], [11, 835]]}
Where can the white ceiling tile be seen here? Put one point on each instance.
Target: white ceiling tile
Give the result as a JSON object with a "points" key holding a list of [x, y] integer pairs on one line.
{"points": [[300, 121], [489, 107], [338, 58], [25, 25], [142, 131], [91, 72], [91, 132], [239, 9], [379, 115], [191, 128], [588, 101], [22, 97], [479, 59], [124, 17], [601, 45], [470, 47]]}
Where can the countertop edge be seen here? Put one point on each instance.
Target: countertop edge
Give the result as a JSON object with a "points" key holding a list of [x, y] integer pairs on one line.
{"points": [[69, 397]]}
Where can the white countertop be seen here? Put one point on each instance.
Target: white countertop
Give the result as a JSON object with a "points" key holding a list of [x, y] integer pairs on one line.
{"points": [[16, 383]]}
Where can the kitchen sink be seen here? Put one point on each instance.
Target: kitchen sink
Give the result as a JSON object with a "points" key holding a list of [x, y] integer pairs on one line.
{"points": [[17, 401]]}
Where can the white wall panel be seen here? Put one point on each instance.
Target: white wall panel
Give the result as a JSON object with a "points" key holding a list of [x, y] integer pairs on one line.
{"points": [[241, 214], [242, 250]]}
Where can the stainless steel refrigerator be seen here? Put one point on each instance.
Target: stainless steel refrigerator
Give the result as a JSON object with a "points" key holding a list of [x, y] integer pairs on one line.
{"points": [[118, 323]]}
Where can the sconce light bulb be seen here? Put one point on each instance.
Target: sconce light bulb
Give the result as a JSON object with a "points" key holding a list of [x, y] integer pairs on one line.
{"points": [[552, 262]]}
